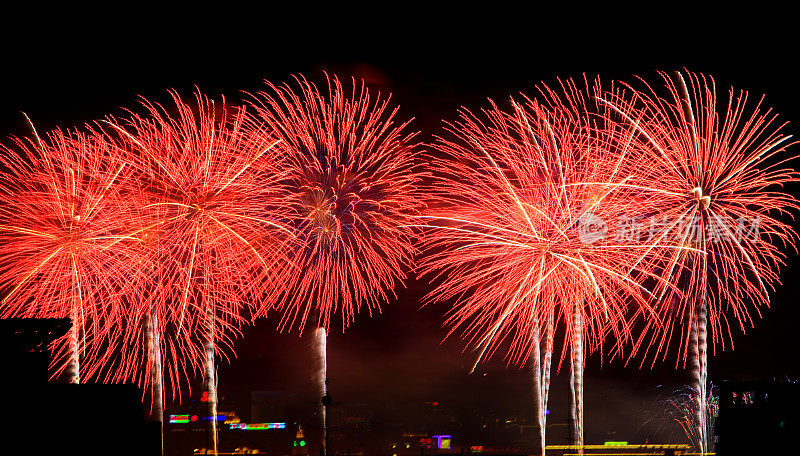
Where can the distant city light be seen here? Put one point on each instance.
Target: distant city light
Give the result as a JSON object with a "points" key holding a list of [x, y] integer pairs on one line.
{"points": [[183, 419], [178, 419], [648, 446], [442, 441], [257, 426]]}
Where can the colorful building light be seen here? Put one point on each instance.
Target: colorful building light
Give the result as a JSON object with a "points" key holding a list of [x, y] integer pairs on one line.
{"points": [[646, 446], [261, 426], [257, 426], [178, 419], [613, 443], [442, 441]]}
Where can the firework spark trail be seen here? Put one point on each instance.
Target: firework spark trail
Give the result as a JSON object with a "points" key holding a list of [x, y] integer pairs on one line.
{"points": [[516, 199], [544, 384], [699, 359], [538, 398], [321, 338], [154, 363], [576, 378], [707, 168], [211, 251], [680, 406], [540, 369], [211, 383], [66, 250]]}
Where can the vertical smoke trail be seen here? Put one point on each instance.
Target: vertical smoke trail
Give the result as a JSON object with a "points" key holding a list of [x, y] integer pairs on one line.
{"points": [[321, 337], [702, 345], [576, 377], [545, 382], [540, 370], [536, 371], [156, 380], [211, 385], [74, 367], [699, 360]]}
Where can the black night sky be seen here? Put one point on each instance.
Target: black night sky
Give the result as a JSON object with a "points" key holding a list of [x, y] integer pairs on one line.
{"points": [[63, 71]]}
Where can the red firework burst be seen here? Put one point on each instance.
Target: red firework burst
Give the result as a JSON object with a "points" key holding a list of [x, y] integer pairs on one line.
{"points": [[351, 196], [213, 253], [66, 250], [714, 180], [516, 235]]}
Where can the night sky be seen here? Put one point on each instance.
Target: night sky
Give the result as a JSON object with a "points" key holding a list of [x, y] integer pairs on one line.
{"points": [[64, 70]]}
